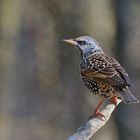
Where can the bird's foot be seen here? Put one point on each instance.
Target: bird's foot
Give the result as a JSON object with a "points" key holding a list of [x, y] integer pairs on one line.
{"points": [[98, 114], [113, 100]]}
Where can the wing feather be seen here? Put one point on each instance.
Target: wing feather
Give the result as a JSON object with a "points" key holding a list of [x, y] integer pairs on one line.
{"points": [[107, 70], [122, 72]]}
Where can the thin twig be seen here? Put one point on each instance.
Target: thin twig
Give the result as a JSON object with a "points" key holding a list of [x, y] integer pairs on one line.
{"points": [[89, 128]]}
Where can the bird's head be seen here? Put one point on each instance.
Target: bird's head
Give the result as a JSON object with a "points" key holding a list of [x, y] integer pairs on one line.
{"points": [[86, 44]]}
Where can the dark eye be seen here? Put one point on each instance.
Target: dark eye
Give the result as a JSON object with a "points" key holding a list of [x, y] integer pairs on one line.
{"points": [[81, 42]]}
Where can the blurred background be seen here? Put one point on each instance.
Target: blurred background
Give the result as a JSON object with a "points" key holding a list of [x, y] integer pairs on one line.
{"points": [[41, 94]]}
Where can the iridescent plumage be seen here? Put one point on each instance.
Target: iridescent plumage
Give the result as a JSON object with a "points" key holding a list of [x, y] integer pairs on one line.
{"points": [[103, 75]]}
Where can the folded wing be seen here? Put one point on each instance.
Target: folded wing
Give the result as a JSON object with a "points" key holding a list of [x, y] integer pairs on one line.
{"points": [[107, 70]]}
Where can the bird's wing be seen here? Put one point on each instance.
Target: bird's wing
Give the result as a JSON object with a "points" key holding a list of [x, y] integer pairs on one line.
{"points": [[106, 69], [121, 71]]}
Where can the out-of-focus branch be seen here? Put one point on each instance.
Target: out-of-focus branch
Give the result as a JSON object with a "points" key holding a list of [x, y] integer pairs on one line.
{"points": [[87, 130]]}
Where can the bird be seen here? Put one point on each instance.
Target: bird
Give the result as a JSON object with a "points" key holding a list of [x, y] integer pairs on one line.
{"points": [[102, 75]]}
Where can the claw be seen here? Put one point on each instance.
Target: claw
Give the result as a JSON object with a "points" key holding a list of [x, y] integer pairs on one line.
{"points": [[101, 116], [97, 113], [113, 100]]}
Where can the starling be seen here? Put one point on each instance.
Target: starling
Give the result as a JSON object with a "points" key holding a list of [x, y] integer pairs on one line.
{"points": [[102, 74]]}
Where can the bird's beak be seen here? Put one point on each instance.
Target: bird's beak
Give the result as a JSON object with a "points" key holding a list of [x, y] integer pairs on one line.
{"points": [[70, 41]]}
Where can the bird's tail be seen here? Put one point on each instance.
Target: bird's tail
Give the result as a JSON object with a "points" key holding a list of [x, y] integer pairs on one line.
{"points": [[128, 97]]}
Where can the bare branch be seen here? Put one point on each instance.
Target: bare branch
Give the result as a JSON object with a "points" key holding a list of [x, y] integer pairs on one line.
{"points": [[87, 130]]}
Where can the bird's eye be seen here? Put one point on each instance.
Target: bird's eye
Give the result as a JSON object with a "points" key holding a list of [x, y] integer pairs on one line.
{"points": [[81, 42]]}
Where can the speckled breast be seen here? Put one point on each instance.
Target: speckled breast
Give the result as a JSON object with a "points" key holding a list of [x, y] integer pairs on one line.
{"points": [[98, 88]]}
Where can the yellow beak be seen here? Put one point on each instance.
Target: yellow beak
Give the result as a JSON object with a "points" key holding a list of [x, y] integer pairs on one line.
{"points": [[70, 41]]}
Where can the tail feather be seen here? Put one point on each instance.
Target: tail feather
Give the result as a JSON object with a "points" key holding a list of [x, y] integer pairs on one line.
{"points": [[128, 97]]}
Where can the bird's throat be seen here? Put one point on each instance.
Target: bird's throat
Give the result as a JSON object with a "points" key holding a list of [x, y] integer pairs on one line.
{"points": [[88, 52]]}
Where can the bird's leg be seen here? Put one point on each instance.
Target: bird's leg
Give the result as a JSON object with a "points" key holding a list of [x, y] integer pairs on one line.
{"points": [[113, 100], [97, 113]]}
